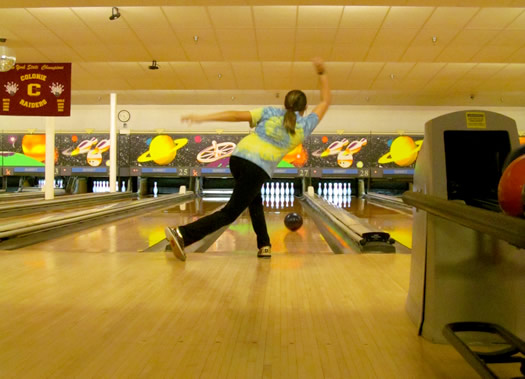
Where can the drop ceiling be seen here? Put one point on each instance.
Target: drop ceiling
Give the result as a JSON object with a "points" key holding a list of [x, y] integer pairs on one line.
{"points": [[252, 51]]}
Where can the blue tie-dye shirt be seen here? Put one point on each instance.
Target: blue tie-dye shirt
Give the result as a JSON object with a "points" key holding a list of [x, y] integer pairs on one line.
{"points": [[270, 141]]}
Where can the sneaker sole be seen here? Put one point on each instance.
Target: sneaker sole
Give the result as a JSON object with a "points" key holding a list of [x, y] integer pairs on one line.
{"points": [[264, 255], [178, 252]]}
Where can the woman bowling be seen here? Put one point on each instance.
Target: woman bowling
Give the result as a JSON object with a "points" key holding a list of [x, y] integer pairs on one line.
{"points": [[277, 132]]}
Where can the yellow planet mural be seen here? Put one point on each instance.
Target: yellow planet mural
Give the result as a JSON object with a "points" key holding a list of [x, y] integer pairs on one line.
{"points": [[162, 150], [403, 151]]}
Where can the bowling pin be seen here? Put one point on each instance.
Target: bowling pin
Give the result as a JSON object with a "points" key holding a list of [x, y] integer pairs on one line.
{"points": [[155, 189], [123, 186], [319, 190], [287, 189], [262, 190], [292, 189], [325, 191]]}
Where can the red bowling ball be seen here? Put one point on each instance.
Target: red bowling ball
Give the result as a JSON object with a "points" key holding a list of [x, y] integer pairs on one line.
{"points": [[511, 188], [293, 221]]}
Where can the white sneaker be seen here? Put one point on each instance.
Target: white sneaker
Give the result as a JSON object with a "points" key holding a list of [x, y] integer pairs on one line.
{"points": [[176, 242], [265, 252]]}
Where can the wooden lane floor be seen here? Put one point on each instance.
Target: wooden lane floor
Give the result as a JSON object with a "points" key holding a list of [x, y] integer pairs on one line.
{"points": [[240, 236], [224, 315], [133, 234], [139, 233], [53, 213]]}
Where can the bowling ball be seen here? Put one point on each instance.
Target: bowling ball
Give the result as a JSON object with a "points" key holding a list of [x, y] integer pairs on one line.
{"points": [[293, 221], [511, 188], [513, 155]]}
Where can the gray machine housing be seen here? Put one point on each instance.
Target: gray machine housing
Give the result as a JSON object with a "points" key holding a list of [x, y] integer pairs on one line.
{"points": [[457, 273]]}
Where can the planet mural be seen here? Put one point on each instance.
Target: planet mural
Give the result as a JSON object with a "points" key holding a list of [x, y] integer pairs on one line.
{"points": [[297, 157], [403, 151], [346, 157], [34, 146], [162, 150]]}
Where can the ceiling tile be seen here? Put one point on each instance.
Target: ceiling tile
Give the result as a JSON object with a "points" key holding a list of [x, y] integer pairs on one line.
{"points": [[242, 37], [308, 51], [191, 75], [483, 70], [457, 53], [406, 17], [450, 17], [363, 17], [366, 70], [275, 16], [349, 52], [276, 75], [511, 71], [315, 36], [144, 17], [494, 18], [423, 70], [385, 53], [513, 38], [518, 23], [248, 74], [491, 53], [18, 19], [188, 17], [275, 36], [276, 52], [96, 16], [303, 76], [469, 37], [454, 71], [239, 52], [231, 17], [395, 37], [356, 36], [319, 16], [421, 54], [399, 70]]}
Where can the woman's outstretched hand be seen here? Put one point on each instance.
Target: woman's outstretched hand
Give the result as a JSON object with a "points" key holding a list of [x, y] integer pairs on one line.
{"points": [[190, 119], [318, 65]]}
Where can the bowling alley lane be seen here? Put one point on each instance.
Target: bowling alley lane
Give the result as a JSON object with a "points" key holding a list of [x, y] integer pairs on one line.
{"points": [[49, 214], [241, 237], [132, 234], [138, 233]]}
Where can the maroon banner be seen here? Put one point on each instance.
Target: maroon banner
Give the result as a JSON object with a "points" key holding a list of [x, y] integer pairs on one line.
{"points": [[36, 89]]}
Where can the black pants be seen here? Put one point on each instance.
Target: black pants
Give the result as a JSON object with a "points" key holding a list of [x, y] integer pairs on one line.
{"points": [[249, 179]]}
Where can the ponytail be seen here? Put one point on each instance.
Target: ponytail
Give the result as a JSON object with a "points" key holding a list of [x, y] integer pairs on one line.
{"points": [[295, 101], [289, 121]]}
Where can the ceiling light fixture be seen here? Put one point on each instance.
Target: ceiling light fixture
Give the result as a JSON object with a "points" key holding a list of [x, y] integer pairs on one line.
{"points": [[7, 57], [434, 39], [115, 14], [154, 66], [196, 38], [219, 76]]}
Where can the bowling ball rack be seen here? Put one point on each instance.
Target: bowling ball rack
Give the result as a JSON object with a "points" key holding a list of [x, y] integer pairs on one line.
{"points": [[509, 346], [496, 224]]}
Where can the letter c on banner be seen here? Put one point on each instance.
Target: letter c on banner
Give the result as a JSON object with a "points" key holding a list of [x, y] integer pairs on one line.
{"points": [[31, 91]]}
